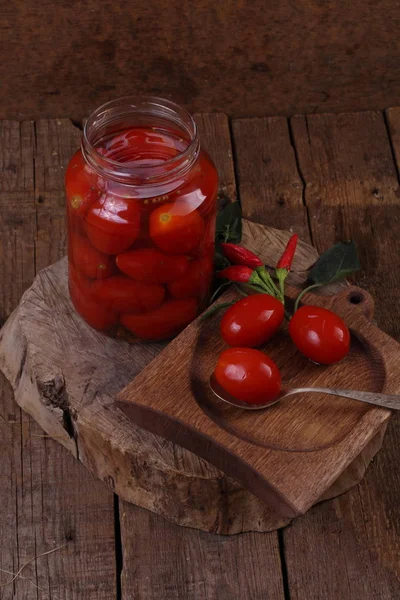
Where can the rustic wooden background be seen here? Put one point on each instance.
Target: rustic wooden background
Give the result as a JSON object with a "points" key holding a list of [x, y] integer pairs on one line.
{"points": [[326, 176], [241, 57]]}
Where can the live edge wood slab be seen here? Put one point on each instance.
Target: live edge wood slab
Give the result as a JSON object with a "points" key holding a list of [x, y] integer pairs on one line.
{"points": [[67, 377]]}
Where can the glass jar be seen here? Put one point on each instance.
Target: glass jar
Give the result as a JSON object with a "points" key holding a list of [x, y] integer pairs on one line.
{"points": [[141, 208]]}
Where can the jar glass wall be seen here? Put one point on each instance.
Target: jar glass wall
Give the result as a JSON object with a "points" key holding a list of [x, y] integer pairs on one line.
{"points": [[141, 207]]}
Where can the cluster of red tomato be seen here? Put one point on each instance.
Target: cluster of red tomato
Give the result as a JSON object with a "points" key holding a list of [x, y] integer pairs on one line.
{"points": [[140, 266], [248, 374]]}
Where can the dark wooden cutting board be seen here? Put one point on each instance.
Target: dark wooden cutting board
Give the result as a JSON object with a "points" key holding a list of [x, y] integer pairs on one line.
{"points": [[289, 454]]}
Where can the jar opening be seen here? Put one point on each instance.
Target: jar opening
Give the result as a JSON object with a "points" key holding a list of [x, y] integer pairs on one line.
{"points": [[147, 113]]}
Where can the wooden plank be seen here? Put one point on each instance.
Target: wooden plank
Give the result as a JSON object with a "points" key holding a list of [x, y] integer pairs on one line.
{"points": [[48, 499], [216, 139], [393, 123], [195, 565], [352, 191], [348, 548], [56, 141], [246, 59], [270, 187]]}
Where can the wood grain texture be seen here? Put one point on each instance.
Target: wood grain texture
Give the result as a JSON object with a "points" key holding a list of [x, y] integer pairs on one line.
{"points": [[215, 137], [56, 140], [270, 187], [193, 565], [243, 58], [47, 499], [349, 547]]}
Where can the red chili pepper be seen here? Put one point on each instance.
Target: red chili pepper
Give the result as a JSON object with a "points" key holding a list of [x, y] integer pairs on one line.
{"points": [[238, 255], [239, 273], [285, 261]]}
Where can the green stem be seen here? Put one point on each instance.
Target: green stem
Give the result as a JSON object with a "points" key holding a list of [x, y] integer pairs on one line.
{"points": [[239, 289], [214, 309], [227, 234], [219, 288], [282, 287], [305, 291], [269, 283], [281, 275], [267, 288], [256, 288]]}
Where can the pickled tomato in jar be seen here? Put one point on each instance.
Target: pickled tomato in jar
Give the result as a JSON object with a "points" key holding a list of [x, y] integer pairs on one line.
{"points": [[141, 209]]}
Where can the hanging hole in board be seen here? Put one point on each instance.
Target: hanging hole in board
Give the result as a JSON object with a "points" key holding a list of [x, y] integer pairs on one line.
{"points": [[355, 298]]}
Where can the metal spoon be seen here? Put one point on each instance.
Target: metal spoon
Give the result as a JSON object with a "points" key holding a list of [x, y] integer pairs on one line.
{"points": [[386, 400]]}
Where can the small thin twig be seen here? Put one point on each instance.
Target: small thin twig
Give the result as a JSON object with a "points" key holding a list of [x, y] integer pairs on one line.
{"points": [[32, 583], [34, 558], [8, 422], [38, 435]]}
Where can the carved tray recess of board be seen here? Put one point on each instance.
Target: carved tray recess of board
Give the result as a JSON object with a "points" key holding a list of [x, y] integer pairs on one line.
{"points": [[287, 455]]}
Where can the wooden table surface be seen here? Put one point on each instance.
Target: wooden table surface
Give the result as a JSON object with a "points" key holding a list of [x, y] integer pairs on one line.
{"points": [[328, 177]]}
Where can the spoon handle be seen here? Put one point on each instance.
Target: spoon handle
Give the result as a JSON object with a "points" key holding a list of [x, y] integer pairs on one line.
{"points": [[387, 400]]}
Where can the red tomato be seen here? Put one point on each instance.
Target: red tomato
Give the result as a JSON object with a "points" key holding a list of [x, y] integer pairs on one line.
{"points": [[208, 183], [113, 223], [76, 224], [207, 245], [82, 185], [319, 334], [196, 281], [95, 315], [176, 230], [162, 323], [149, 264], [89, 261], [122, 294], [248, 375], [201, 188], [252, 321]]}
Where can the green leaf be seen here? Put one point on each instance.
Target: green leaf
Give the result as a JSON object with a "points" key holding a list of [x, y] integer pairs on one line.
{"points": [[336, 263], [220, 262], [229, 223]]}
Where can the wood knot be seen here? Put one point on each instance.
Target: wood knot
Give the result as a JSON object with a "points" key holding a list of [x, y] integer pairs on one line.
{"points": [[109, 480], [55, 395], [377, 193], [70, 535], [53, 390]]}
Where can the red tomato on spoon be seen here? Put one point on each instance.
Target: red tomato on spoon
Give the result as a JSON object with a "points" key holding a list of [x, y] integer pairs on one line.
{"points": [[248, 375]]}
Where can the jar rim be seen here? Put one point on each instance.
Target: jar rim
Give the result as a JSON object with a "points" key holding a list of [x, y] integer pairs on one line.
{"points": [[141, 105]]}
